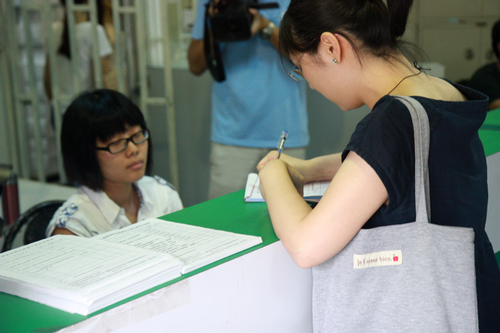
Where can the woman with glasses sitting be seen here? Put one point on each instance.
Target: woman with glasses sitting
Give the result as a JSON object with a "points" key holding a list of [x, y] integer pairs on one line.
{"points": [[107, 148]]}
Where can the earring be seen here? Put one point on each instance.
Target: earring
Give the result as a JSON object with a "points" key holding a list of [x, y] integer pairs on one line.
{"points": [[335, 60]]}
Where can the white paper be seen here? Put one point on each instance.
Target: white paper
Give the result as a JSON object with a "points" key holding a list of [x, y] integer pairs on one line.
{"points": [[71, 273], [312, 191], [252, 189], [194, 246], [83, 275]]}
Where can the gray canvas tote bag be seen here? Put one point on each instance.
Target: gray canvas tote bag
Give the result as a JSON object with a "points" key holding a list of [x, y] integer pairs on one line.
{"points": [[413, 277]]}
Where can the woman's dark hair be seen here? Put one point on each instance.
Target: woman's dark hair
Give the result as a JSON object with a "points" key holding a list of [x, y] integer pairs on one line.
{"points": [[98, 114], [64, 47], [495, 39], [374, 25]]}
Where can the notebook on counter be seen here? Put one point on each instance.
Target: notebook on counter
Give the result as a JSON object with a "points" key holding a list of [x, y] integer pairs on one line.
{"points": [[313, 191]]}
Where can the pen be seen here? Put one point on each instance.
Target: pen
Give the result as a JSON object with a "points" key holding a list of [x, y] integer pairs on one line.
{"points": [[281, 142]]}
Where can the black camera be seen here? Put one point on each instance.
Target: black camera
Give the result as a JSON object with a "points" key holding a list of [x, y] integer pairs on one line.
{"points": [[231, 20], [227, 21]]}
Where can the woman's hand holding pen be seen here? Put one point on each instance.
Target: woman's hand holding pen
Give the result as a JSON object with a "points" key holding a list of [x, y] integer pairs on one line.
{"points": [[300, 165], [315, 169], [272, 155], [273, 171]]}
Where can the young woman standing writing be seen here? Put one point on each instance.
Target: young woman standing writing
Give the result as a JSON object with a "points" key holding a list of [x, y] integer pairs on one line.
{"points": [[350, 51]]}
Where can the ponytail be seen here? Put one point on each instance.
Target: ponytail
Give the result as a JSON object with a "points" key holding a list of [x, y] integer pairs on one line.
{"points": [[398, 16]]}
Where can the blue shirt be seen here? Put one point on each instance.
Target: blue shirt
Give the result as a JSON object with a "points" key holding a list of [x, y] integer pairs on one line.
{"points": [[258, 99]]}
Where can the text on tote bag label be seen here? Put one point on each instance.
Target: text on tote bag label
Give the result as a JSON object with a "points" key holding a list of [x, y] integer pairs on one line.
{"points": [[384, 258]]}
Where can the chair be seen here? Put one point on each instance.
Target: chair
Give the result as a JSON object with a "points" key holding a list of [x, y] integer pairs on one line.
{"points": [[2, 224], [36, 220]]}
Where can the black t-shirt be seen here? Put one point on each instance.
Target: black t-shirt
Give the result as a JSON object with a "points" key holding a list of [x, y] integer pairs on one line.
{"points": [[457, 171]]}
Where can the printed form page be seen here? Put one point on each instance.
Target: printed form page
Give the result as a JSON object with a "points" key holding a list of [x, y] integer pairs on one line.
{"points": [[72, 273], [194, 246]]}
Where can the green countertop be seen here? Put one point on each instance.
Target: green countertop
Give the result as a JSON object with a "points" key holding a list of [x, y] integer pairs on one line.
{"points": [[229, 213], [490, 133]]}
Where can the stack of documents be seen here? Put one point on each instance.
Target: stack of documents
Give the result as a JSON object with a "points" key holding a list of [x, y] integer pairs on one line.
{"points": [[83, 275], [313, 191]]}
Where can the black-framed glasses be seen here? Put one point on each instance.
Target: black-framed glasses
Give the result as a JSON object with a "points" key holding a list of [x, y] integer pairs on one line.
{"points": [[296, 73], [120, 145]]}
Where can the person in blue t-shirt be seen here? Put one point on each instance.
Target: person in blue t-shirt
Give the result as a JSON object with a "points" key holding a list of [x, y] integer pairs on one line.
{"points": [[255, 103]]}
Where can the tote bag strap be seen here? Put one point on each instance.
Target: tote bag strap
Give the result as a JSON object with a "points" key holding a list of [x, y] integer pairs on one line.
{"points": [[421, 132]]}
